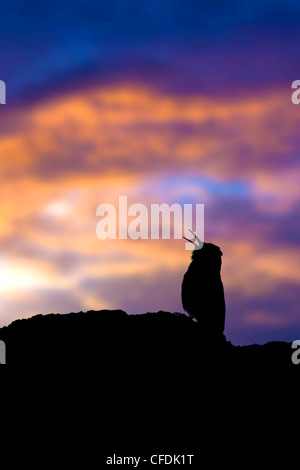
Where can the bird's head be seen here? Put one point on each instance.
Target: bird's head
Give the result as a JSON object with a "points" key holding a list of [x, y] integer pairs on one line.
{"points": [[205, 252]]}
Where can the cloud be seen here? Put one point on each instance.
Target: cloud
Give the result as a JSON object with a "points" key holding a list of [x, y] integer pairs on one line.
{"points": [[135, 129], [64, 156]]}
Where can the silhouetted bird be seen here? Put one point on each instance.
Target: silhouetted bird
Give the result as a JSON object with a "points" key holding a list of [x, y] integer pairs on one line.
{"points": [[202, 291]]}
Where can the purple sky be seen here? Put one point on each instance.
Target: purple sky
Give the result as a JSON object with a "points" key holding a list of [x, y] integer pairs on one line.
{"points": [[163, 102]]}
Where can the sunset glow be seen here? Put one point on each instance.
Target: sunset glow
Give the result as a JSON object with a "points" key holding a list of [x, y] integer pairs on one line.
{"points": [[75, 146]]}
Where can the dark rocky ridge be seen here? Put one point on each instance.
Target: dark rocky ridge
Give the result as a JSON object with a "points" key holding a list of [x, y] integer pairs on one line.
{"points": [[151, 339], [152, 383]]}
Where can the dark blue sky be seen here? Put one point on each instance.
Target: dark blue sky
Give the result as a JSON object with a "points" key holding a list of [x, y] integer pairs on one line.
{"points": [[218, 47]]}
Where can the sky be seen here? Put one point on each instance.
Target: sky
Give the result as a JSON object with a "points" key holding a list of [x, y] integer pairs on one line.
{"points": [[164, 102]]}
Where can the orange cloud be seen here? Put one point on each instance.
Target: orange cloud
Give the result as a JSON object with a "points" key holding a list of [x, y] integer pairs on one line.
{"points": [[64, 157], [141, 129]]}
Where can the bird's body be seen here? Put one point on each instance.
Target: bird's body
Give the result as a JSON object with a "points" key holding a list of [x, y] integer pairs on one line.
{"points": [[202, 291]]}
